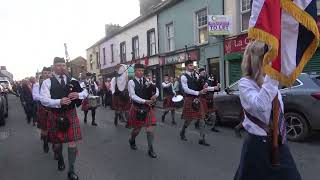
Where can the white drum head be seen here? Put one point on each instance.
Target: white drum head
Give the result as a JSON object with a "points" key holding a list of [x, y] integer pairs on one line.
{"points": [[177, 98], [123, 78]]}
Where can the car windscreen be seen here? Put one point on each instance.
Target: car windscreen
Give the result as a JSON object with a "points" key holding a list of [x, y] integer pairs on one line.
{"points": [[5, 82], [316, 80]]}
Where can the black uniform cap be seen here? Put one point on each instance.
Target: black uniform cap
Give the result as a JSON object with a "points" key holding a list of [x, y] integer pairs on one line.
{"points": [[58, 60], [139, 66]]}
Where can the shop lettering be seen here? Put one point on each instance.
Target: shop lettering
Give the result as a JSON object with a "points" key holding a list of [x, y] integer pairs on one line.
{"points": [[219, 26], [236, 44], [181, 57]]}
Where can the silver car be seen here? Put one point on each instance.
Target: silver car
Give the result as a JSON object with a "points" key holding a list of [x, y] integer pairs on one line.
{"points": [[301, 103]]}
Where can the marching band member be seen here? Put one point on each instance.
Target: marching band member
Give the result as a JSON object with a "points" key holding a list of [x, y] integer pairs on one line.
{"points": [[42, 113], [61, 94], [192, 108], [92, 89], [256, 94], [141, 111], [168, 93]]}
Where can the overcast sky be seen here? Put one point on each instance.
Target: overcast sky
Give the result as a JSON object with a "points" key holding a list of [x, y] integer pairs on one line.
{"points": [[32, 32]]}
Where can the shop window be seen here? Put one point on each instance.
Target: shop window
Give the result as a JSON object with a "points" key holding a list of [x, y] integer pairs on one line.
{"points": [[123, 52], [112, 54], [135, 47], [97, 60], [91, 61], [151, 42], [245, 10], [104, 55], [170, 37], [202, 26]]}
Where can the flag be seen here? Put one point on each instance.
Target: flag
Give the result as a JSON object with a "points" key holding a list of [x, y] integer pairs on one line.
{"points": [[290, 30]]}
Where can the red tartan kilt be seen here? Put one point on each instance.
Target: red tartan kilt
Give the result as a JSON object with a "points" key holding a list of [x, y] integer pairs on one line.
{"points": [[42, 117], [188, 113], [168, 104], [149, 121], [72, 134], [205, 101], [119, 105]]}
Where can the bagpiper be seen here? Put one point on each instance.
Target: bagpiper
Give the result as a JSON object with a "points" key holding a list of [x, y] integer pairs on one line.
{"points": [[61, 94], [168, 93], [143, 95]]}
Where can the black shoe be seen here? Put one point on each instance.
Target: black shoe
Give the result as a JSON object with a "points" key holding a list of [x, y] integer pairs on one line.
{"points": [[133, 145], [173, 123], [197, 125], [214, 129], [152, 154], [115, 122], [72, 176], [127, 126], [237, 132], [183, 136], [61, 165], [162, 118], [56, 156], [94, 123], [203, 142], [45, 146]]}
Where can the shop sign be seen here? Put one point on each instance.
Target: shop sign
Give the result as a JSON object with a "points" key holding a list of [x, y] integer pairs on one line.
{"points": [[180, 57], [236, 44], [219, 25]]}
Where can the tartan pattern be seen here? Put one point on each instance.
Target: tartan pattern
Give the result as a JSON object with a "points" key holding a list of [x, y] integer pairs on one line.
{"points": [[72, 134], [188, 113], [149, 121], [85, 105], [119, 105], [168, 104], [42, 117], [205, 100]]}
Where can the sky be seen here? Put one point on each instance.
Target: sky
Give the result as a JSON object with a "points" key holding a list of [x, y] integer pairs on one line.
{"points": [[32, 32]]}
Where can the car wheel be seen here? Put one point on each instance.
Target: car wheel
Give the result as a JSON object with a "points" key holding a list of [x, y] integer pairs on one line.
{"points": [[297, 126]]}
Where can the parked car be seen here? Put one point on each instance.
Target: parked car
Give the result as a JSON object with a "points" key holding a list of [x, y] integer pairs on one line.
{"points": [[3, 105], [301, 106]]}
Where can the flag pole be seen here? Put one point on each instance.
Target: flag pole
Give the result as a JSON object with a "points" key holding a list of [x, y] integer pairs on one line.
{"points": [[275, 133]]}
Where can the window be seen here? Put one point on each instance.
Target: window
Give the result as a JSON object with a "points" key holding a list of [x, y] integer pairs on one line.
{"points": [[202, 26], [97, 60], [170, 37], [123, 52], [151, 42], [318, 6], [135, 47], [104, 56], [112, 55], [91, 61], [245, 14]]}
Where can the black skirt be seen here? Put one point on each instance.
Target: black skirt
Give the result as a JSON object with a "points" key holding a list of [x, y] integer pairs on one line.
{"points": [[255, 163]]}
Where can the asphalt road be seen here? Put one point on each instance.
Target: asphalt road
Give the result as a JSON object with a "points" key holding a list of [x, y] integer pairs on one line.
{"points": [[105, 152]]}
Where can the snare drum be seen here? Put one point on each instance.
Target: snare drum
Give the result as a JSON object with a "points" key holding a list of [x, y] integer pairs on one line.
{"points": [[178, 101], [94, 101]]}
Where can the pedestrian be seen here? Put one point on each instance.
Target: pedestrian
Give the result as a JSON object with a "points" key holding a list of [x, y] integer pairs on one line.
{"points": [[168, 93], [90, 85], [142, 112], [193, 109], [27, 100], [256, 94], [108, 92], [61, 94]]}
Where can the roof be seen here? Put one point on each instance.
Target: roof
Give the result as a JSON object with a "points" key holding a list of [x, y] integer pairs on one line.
{"points": [[155, 9], [78, 58]]}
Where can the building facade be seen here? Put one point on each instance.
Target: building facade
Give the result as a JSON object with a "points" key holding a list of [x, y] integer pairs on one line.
{"points": [[183, 34], [78, 66], [93, 59]]}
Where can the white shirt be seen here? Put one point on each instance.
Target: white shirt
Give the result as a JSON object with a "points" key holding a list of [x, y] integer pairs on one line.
{"points": [[168, 84], [184, 83], [133, 95], [84, 87], [36, 92], [45, 96], [113, 85], [258, 102]]}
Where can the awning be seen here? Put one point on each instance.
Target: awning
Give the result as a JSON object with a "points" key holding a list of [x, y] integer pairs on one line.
{"points": [[233, 56]]}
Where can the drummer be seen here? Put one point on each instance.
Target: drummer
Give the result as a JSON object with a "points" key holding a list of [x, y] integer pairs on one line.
{"points": [[120, 98], [168, 94], [92, 88]]}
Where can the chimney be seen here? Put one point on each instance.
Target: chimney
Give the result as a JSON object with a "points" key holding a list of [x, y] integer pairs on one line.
{"points": [[111, 28], [146, 5]]}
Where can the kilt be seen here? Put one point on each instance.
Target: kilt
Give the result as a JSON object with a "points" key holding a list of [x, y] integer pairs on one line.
{"points": [[255, 161], [168, 104], [188, 113], [85, 105], [149, 121], [42, 117], [208, 106], [72, 134], [118, 104]]}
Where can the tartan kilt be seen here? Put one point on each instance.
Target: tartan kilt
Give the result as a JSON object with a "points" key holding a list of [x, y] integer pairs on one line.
{"points": [[188, 113], [72, 134], [118, 104], [85, 105], [168, 104], [149, 121], [206, 107], [42, 117]]}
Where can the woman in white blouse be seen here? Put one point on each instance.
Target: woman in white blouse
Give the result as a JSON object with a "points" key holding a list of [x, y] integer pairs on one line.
{"points": [[256, 94]]}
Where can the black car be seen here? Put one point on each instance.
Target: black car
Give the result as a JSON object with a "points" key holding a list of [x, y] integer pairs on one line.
{"points": [[301, 103]]}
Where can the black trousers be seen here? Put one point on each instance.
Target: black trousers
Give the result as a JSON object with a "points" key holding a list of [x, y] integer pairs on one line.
{"points": [[255, 163]]}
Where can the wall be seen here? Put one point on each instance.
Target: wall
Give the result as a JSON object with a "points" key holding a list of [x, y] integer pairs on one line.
{"points": [[94, 69], [137, 30]]}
